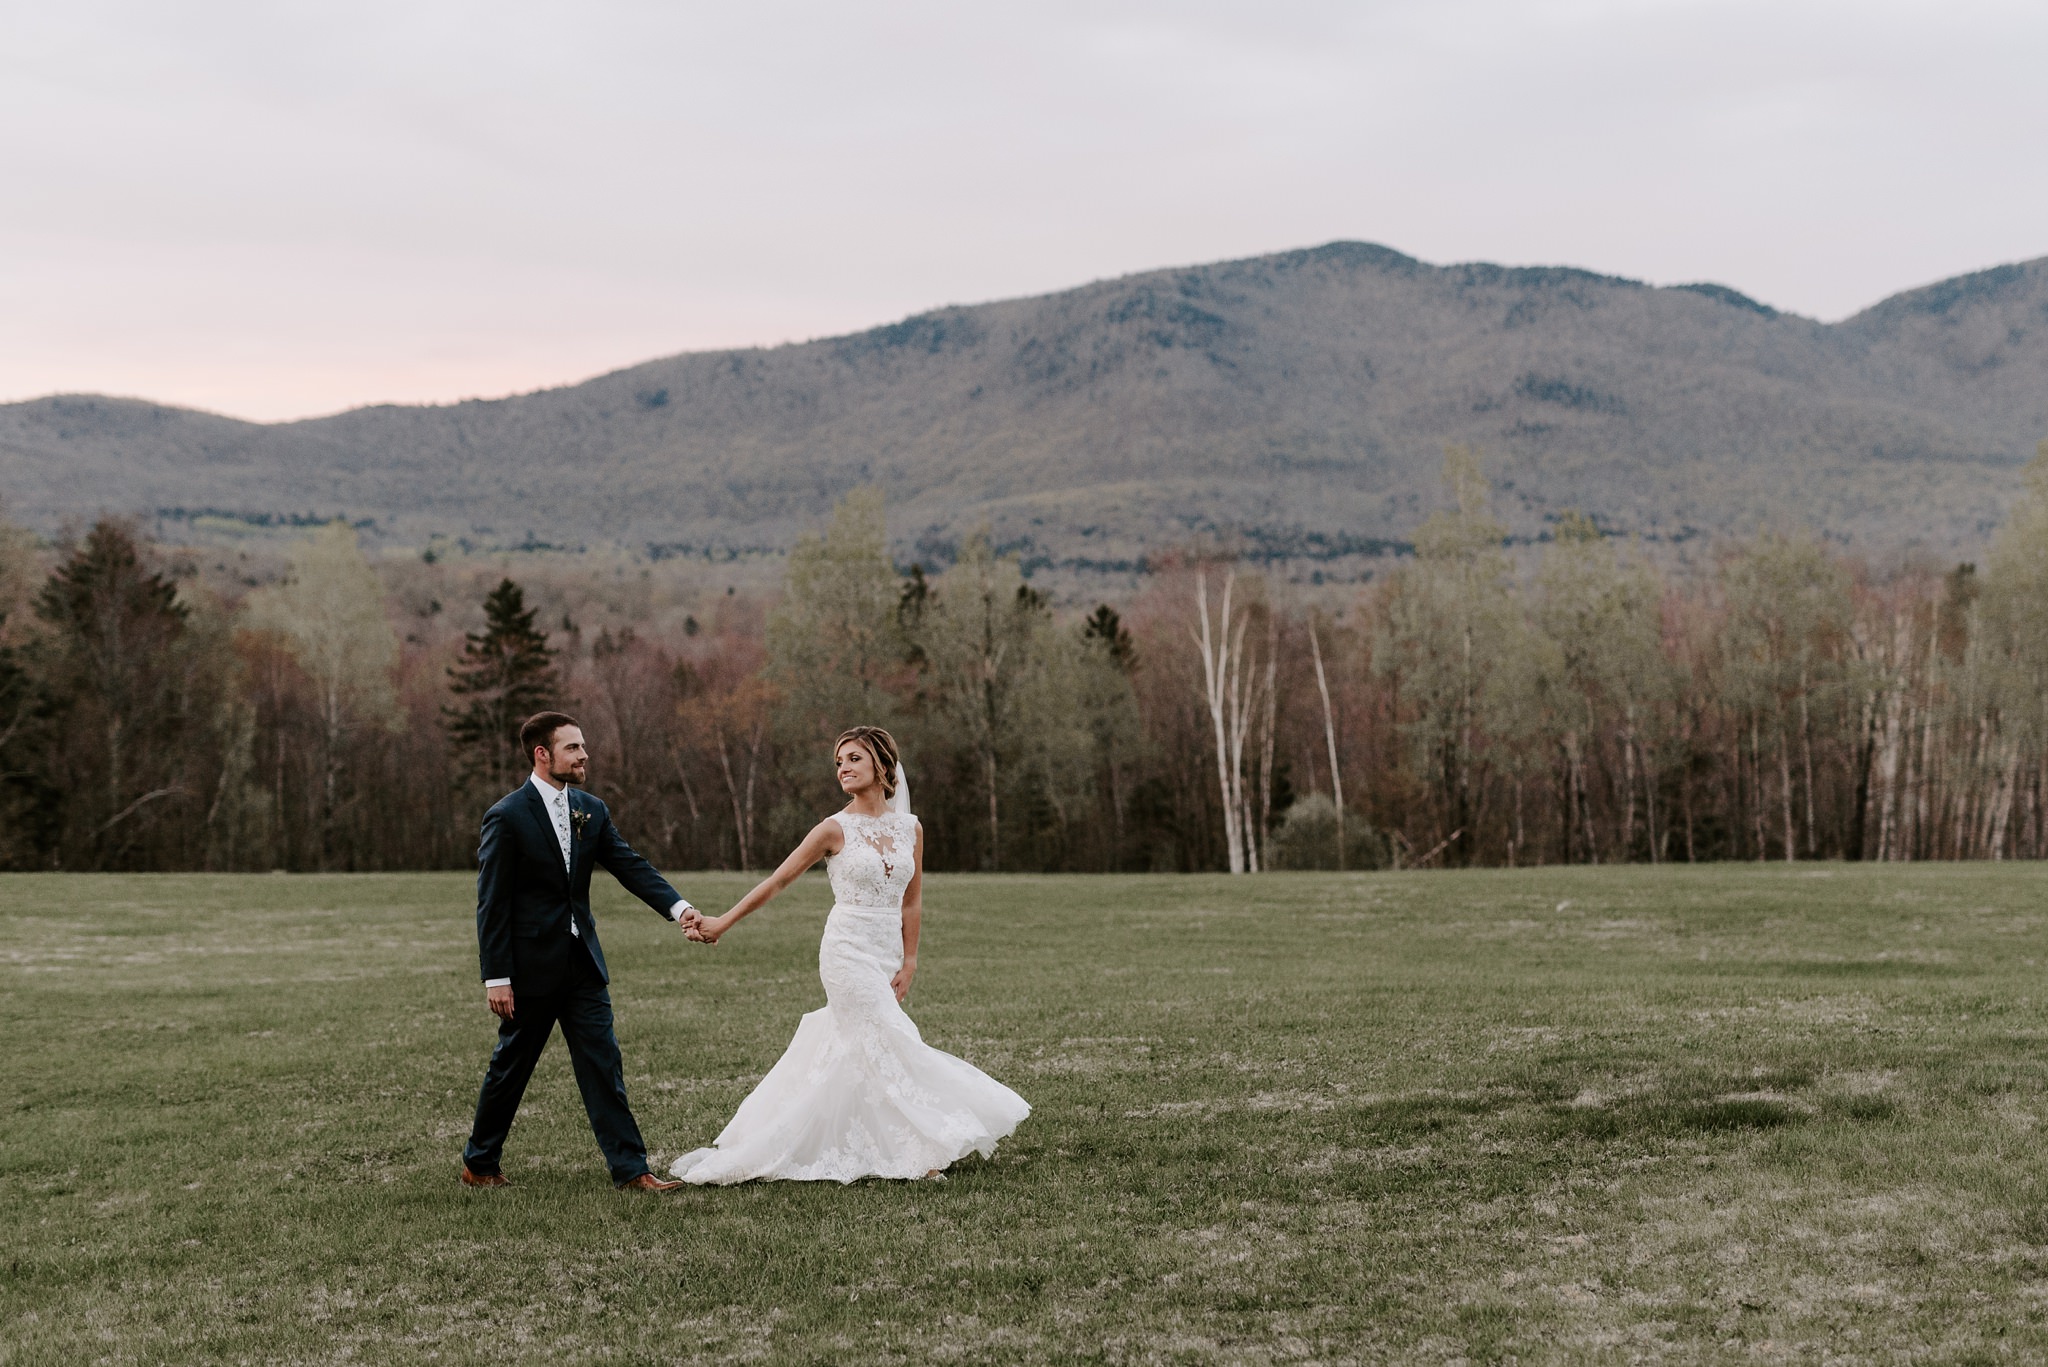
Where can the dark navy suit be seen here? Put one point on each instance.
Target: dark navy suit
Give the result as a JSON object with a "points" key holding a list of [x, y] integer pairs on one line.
{"points": [[526, 903]]}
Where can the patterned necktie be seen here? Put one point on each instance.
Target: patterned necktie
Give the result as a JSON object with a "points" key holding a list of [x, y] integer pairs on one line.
{"points": [[558, 807]]}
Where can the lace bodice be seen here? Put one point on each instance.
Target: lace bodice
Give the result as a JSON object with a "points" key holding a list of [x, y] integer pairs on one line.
{"points": [[879, 858]]}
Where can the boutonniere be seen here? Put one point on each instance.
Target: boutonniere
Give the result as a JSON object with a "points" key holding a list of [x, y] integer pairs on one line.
{"points": [[577, 821]]}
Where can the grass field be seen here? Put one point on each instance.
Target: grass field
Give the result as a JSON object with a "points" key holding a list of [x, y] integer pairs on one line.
{"points": [[1605, 1115]]}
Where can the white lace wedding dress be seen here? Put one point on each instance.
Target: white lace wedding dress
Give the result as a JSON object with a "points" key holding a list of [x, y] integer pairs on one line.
{"points": [[858, 1093]]}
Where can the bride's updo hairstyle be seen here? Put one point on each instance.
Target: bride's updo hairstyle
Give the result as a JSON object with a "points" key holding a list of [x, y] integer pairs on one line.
{"points": [[881, 747]]}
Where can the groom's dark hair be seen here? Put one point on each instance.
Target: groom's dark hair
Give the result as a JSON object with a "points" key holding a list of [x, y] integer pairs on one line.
{"points": [[540, 729]]}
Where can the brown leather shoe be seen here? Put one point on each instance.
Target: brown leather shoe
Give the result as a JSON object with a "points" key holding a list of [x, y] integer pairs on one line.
{"points": [[647, 1181], [488, 1179]]}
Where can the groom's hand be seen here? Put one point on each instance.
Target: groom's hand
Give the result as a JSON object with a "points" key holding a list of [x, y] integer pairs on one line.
{"points": [[499, 999]]}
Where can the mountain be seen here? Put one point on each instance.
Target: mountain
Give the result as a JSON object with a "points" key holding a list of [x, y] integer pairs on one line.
{"points": [[1297, 403]]}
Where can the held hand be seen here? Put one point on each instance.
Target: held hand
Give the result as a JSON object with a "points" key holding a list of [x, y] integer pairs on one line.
{"points": [[709, 928], [499, 999], [901, 982], [689, 920]]}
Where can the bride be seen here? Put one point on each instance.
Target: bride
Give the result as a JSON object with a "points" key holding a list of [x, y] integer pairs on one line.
{"points": [[858, 1093]]}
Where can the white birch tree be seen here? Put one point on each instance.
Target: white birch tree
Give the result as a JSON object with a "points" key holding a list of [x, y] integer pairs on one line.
{"points": [[1231, 691]]}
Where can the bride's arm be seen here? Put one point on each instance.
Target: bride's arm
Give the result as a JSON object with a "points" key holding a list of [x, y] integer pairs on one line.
{"points": [[824, 839], [913, 921]]}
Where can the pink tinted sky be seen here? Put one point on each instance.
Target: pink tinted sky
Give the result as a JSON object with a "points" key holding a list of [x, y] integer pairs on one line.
{"points": [[275, 210]]}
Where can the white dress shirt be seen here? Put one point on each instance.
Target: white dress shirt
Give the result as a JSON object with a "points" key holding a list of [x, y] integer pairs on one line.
{"points": [[556, 800]]}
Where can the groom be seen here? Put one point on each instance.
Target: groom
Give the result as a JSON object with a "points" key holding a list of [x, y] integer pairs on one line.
{"points": [[542, 965]]}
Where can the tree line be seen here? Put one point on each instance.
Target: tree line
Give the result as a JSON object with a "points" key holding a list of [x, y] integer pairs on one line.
{"points": [[1475, 705]]}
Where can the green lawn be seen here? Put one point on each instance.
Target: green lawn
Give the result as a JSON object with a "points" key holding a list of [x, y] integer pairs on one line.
{"points": [[1600, 1115]]}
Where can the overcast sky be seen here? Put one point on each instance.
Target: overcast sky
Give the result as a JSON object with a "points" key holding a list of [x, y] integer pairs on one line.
{"points": [[275, 208]]}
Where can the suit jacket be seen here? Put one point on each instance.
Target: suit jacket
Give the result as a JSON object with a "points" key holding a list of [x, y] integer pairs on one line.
{"points": [[526, 901]]}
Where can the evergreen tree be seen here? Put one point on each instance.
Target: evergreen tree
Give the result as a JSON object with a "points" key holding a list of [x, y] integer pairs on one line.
{"points": [[1095, 684], [116, 685], [507, 674], [30, 805], [1106, 627]]}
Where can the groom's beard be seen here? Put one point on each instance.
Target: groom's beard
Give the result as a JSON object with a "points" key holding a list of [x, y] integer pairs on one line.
{"points": [[574, 776]]}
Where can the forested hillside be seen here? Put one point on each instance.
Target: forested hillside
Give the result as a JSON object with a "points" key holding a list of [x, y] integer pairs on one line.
{"points": [[1295, 406]]}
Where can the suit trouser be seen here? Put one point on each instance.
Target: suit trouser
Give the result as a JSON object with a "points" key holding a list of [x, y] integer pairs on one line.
{"points": [[585, 1015]]}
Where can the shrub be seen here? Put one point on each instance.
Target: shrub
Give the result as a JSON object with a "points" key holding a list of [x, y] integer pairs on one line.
{"points": [[1307, 839]]}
